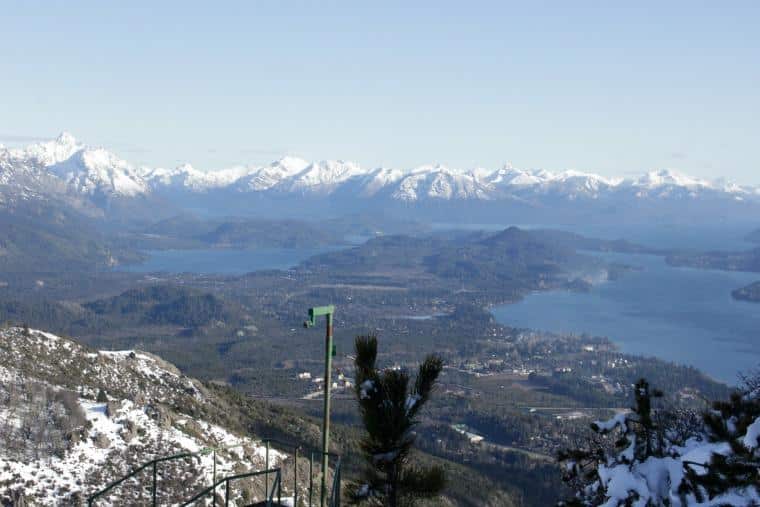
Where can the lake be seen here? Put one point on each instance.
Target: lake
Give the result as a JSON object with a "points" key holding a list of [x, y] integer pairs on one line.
{"points": [[223, 261], [683, 315]]}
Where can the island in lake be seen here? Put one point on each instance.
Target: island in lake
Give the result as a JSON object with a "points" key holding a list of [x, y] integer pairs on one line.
{"points": [[749, 293]]}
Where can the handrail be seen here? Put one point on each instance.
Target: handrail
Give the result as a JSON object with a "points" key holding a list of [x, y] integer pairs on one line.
{"points": [[296, 450], [276, 485], [206, 450], [226, 481], [334, 500], [334, 496], [139, 469]]}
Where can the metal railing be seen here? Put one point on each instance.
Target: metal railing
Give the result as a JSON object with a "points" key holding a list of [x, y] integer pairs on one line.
{"points": [[152, 463], [333, 494], [276, 486], [285, 445]]}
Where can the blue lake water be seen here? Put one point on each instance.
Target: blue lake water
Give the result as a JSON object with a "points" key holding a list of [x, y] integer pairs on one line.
{"points": [[679, 314], [224, 261]]}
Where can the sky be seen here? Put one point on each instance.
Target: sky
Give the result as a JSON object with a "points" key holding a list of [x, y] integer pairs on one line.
{"points": [[596, 86]]}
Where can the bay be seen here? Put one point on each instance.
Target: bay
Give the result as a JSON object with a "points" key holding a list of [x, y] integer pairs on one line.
{"points": [[683, 315]]}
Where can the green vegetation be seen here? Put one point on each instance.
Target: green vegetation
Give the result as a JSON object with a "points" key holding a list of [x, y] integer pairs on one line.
{"points": [[389, 410], [164, 304]]}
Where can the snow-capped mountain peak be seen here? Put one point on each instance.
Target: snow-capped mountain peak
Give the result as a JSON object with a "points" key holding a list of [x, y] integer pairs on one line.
{"points": [[670, 177], [85, 171], [90, 171], [53, 151], [267, 177]]}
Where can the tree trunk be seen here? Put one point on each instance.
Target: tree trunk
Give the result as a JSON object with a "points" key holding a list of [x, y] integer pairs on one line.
{"points": [[393, 493]]}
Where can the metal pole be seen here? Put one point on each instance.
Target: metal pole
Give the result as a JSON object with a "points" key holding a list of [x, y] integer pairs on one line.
{"points": [[295, 480], [326, 415], [154, 484], [266, 474], [213, 480], [226, 493]]}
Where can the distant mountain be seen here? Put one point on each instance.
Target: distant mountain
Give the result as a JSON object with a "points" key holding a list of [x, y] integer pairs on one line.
{"points": [[65, 172], [98, 181], [38, 236]]}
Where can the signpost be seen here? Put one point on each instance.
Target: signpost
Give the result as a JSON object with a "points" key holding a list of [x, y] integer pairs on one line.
{"points": [[328, 312]]}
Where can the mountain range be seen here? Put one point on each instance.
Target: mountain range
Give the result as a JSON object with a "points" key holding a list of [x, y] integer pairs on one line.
{"points": [[99, 182]]}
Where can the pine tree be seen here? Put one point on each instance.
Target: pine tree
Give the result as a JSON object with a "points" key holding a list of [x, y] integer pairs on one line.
{"points": [[389, 410], [640, 437], [670, 457], [102, 396], [737, 423]]}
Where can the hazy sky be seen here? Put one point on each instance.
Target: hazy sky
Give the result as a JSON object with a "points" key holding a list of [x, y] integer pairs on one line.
{"points": [[586, 85]]}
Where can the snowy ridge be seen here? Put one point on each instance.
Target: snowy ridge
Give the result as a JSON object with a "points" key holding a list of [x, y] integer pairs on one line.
{"points": [[59, 444], [89, 170]]}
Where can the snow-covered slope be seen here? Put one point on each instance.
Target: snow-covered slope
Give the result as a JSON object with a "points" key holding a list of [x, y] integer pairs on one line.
{"points": [[58, 444]]}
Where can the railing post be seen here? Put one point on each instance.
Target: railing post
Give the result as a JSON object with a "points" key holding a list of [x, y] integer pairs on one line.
{"points": [[266, 467], [279, 487], [295, 479], [155, 464], [337, 493], [226, 493], [311, 476], [213, 480]]}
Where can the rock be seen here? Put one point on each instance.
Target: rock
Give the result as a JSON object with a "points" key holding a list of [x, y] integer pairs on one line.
{"points": [[161, 414], [75, 436], [193, 428], [112, 407], [16, 499], [76, 498], [102, 441], [130, 431]]}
